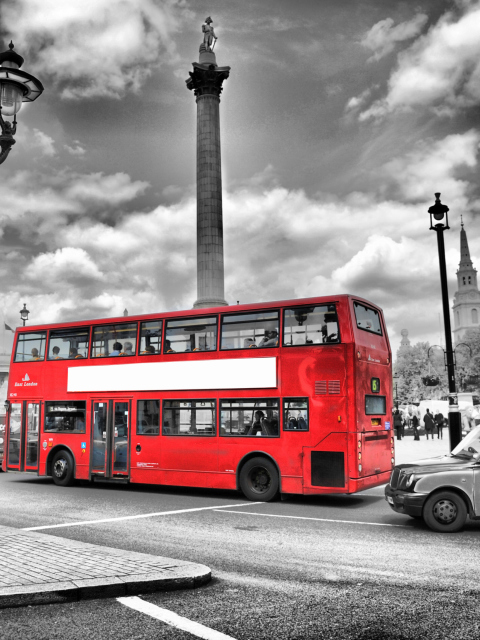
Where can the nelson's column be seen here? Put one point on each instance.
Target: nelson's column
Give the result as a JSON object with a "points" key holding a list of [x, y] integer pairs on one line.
{"points": [[206, 81]]}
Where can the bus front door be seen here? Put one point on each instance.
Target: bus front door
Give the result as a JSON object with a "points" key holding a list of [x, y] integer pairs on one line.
{"points": [[110, 438], [23, 433]]}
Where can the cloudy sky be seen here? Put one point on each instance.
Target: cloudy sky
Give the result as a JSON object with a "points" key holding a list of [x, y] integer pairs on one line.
{"points": [[339, 121]]}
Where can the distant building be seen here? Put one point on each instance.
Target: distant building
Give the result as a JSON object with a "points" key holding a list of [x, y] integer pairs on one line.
{"points": [[405, 343], [466, 301]]}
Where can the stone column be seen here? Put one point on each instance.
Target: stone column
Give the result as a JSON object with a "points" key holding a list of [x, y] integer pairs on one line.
{"points": [[206, 81]]}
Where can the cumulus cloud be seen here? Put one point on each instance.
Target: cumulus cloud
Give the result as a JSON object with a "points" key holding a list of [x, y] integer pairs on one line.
{"points": [[44, 142], [77, 149], [95, 48], [433, 165], [279, 243], [440, 70], [64, 266], [384, 35]]}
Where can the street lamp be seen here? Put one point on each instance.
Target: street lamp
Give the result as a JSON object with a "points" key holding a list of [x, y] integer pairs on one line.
{"points": [[24, 314], [16, 86], [438, 222]]}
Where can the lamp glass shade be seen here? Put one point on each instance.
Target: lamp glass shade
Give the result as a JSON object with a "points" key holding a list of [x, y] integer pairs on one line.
{"points": [[439, 216], [11, 98]]}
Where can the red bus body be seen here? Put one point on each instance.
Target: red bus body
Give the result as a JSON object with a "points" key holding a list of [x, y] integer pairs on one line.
{"points": [[344, 450]]}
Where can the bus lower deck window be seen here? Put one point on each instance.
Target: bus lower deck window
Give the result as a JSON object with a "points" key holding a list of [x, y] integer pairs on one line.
{"points": [[254, 417]]}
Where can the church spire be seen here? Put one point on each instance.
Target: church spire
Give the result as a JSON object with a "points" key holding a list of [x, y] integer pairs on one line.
{"points": [[465, 260], [466, 302]]}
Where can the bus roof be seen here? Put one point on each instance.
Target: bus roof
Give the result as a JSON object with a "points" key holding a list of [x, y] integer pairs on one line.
{"points": [[198, 312]]}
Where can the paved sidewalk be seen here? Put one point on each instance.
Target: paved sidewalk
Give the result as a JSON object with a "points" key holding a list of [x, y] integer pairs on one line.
{"points": [[407, 449], [38, 568]]}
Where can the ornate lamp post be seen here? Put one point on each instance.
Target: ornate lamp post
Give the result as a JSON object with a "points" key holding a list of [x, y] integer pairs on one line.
{"points": [[24, 314], [16, 86], [438, 222]]}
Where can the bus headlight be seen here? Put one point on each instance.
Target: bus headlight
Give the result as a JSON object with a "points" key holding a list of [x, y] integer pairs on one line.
{"points": [[359, 467]]}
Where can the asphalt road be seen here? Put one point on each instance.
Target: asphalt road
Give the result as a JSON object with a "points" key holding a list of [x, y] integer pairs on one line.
{"points": [[324, 567]]}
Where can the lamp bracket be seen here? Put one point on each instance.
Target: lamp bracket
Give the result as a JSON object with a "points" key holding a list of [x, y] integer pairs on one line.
{"points": [[6, 138]]}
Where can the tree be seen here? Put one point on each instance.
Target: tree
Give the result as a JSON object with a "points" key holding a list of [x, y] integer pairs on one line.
{"points": [[421, 373], [468, 361]]}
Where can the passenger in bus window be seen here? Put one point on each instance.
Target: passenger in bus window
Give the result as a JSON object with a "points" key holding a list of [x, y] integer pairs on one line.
{"points": [[127, 350], [55, 352], [74, 355], [149, 350], [117, 348], [249, 342], [257, 426], [270, 339], [168, 347], [35, 355]]}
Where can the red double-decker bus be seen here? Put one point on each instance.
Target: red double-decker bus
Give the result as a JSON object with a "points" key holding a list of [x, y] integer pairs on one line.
{"points": [[292, 397]]}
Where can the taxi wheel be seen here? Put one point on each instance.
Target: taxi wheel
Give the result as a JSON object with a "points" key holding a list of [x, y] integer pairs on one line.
{"points": [[445, 512], [62, 468], [259, 480]]}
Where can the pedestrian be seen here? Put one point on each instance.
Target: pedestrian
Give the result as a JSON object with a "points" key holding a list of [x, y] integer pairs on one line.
{"points": [[416, 435], [429, 423], [397, 423], [439, 421]]}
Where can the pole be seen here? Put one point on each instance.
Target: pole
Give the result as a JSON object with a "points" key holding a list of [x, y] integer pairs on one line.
{"points": [[454, 418]]}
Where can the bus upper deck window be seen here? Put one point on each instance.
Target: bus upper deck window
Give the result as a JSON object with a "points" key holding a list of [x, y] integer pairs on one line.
{"points": [[311, 325], [190, 334], [114, 340], [31, 347], [250, 330], [150, 338], [68, 344], [367, 319]]}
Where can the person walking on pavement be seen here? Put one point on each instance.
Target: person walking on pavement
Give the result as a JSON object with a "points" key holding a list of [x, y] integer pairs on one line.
{"points": [[397, 423], [429, 423], [416, 435], [439, 420]]}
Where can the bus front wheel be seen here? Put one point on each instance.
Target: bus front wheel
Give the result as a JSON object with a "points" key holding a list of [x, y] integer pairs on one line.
{"points": [[62, 468], [259, 480]]}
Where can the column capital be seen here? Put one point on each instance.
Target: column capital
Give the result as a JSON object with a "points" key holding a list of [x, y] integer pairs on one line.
{"points": [[207, 79]]}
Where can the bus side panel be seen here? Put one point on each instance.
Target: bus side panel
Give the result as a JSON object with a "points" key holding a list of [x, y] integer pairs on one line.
{"points": [[325, 465]]}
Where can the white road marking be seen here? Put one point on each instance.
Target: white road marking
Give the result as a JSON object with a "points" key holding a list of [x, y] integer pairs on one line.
{"points": [[141, 515], [173, 619], [272, 515]]}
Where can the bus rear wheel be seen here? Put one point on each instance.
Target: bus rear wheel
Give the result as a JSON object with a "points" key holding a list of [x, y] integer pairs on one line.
{"points": [[259, 480], [62, 468]]}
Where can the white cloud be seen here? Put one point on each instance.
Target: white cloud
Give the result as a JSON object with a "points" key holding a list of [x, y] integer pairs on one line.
{"points": [[99, 188], [440, 70], [432, 166], [65, 266], [76, 150], [93, 48], [383, 36], [44, 142]]}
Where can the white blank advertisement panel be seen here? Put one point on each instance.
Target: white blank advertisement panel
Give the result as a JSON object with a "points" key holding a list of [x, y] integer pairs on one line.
{"points": [[241, 373]]}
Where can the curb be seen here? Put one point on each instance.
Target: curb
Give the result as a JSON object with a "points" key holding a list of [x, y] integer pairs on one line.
{"points": [[41, 569], [75, 590]]}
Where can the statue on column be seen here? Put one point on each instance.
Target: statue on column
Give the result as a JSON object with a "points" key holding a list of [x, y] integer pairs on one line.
{"points": [[209, 37]]}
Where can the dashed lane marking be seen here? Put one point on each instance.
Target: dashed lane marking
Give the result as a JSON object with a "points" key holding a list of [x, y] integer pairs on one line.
{"points": [[173, 619], [141, 515], [272, 515]]}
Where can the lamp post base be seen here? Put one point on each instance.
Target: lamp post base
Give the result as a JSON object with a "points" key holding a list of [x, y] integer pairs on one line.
{"points": [[454, 428]]}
